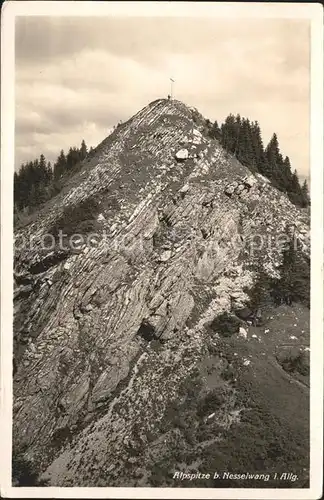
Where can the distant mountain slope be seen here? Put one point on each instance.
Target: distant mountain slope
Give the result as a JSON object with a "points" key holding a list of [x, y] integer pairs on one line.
{"points": [[110, 336]]}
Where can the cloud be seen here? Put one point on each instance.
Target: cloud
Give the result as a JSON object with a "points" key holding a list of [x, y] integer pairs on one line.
{"points": [[76, 77]]}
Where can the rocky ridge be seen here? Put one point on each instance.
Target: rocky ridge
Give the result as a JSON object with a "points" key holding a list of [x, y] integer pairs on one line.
{"points": [[179, 225]]}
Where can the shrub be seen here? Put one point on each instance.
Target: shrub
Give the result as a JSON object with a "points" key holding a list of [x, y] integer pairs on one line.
{"points": [[260, 294], [156, 345], [147, 331], [195, 116], [80, 218], [293, 362], [23, 472], [211, 402], [226, 324]]}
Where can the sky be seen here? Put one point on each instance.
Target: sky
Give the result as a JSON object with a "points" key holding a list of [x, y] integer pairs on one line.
{"points": [[77, 77]]}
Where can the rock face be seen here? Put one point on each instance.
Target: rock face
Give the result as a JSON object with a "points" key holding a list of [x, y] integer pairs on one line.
{"points": [[164, 262]]}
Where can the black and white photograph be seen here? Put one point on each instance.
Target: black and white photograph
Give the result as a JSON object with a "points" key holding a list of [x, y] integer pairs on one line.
{"points": [[161, 171]]}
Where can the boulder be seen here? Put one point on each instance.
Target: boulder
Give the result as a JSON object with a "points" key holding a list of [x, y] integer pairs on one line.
{"points": [[184, 189], [101, 218], [242, 332], [265, 180], [182, 154], [165, 256], [208, 201], [229, 190], [197, 137], [249, 180], [237, 294], [239, 188]]}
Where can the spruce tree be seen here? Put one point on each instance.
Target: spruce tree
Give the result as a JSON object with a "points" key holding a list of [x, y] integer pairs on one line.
{"points": [[83, 150], [228, 132], [214, 131], [260, 294], [273, 157], [294, 283], [49, 173], [236, 135], [73, 158], [60, 166], [257, 141], [246, 154], [18, 199], [286, 173], [295, 191], [305, 194]]}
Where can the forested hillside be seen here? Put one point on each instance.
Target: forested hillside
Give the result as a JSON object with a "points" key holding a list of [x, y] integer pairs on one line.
{"points": [[242, 138], [37, 181]]}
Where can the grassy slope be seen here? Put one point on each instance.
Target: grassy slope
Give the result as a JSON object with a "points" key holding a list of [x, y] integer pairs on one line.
{"points": [[261, 421]]}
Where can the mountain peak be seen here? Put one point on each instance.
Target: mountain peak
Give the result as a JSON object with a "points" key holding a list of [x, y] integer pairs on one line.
{"points": [[160, 229]]}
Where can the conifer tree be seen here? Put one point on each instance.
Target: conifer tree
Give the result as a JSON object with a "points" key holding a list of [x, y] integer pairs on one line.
{"points": [[37, 181], [83, 150], [257, 143], [236, 135], [214, 131], [49, 172], [294, 283], [274, 158], [286, 174], [60, 165], [305, 194], [246, 154], [294, 190], [260, 294], [228, 131]]}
